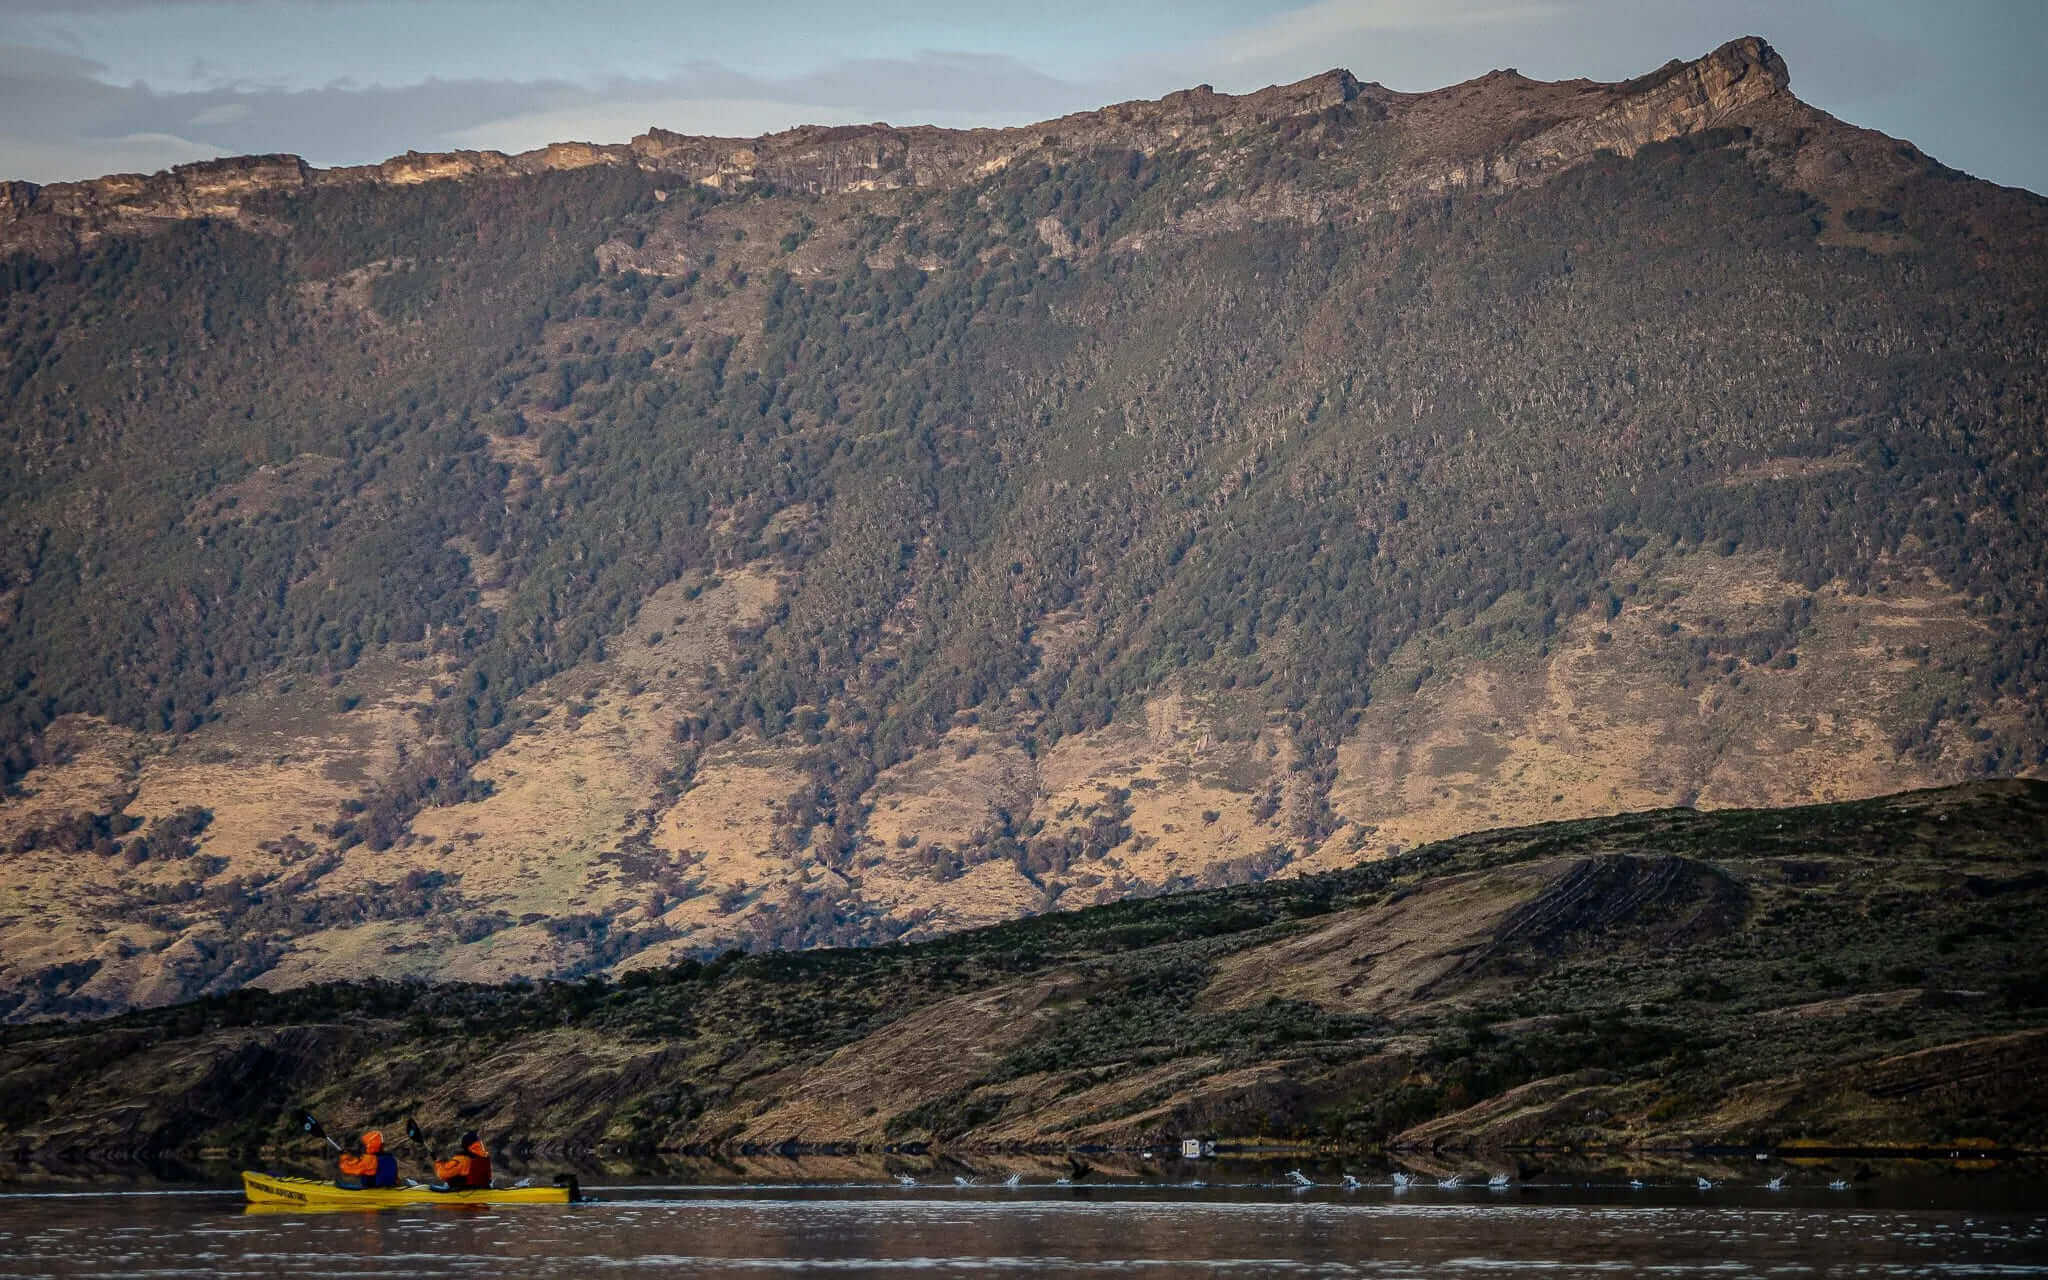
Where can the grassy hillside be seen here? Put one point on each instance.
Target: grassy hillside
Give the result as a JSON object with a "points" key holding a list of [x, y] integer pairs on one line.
{"points": [[541, 575], [1860, 973]]}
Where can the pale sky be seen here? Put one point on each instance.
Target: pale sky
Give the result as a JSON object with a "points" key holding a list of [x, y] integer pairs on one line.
{"points": [[97, 86]]}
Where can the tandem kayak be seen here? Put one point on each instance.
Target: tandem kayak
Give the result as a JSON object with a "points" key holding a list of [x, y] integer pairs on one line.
{"points": [[270, 1190]]}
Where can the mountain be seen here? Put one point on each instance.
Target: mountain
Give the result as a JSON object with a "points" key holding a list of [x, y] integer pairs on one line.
{"points": [[1855, 974], [480, 566]]}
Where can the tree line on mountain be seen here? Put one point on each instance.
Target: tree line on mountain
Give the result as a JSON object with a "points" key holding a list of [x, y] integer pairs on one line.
{"points": [[1258, 462]]}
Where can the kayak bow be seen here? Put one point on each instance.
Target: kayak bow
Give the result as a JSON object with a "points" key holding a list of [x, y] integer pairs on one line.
{"points": [[311, 1193]]}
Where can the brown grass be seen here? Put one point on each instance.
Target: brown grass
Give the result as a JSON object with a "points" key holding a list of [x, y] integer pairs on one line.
{"points": [[1460, 735], [1604, 725], [1386, 957]]}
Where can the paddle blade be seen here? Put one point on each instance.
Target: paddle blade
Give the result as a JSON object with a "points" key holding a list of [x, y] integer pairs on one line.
{"points": [[412, 1131], [308, 1125]]}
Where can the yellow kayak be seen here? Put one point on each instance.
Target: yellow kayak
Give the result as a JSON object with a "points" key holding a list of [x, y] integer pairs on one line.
{"points": [[270, 1191]]}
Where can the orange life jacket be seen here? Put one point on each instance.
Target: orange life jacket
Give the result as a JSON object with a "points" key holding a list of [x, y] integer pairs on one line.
{"points": [[373, 1167], [471, 1169]]}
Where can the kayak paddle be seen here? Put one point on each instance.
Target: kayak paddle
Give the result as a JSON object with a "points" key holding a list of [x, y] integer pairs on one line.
{"points": [[418, 1139], [307, 1124]]}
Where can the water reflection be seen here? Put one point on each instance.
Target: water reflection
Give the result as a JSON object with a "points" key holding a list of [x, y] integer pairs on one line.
{"points": [[1418, 1171], [866, 1228]]}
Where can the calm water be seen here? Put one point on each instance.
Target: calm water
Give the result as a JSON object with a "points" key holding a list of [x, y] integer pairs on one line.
{"points": [[1559, 1230]]}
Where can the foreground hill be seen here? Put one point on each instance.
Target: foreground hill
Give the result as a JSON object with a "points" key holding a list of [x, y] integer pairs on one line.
{"points": [[1858, 973], [482, 566]]}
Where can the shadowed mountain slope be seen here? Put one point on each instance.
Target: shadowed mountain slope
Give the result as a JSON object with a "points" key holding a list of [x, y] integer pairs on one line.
{"points": [[481, 566]]}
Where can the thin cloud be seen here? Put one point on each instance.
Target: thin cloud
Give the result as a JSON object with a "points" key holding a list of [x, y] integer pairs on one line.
{"points": [[60, 119], [68, 8], [955, 90], [32, 62], [617, 122], [59, 159], [1314, 26], [222, 113]]}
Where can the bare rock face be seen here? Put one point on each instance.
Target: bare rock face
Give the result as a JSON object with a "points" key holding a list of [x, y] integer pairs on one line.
{"points": [[207, 188], [1571, 121], [415, 167], [1678, 99], [1684, 98], [67, 214]]}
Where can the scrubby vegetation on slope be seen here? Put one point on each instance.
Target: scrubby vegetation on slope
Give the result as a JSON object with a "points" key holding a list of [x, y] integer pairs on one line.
{"points": [[1865, 972]]}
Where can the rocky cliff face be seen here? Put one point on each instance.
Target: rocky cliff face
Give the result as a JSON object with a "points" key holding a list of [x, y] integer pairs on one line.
{"points": [[1573, 121], [1681, 98]]}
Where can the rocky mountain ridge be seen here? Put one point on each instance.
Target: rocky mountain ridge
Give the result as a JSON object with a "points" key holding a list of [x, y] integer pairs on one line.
{"points": [[1579, 118]]}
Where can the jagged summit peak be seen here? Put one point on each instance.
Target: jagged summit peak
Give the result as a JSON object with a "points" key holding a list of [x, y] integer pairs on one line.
{"points": [[1734, 62], [1753, 51]]}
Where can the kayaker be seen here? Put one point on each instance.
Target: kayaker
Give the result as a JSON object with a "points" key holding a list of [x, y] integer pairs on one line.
{"points": [[367, 1166], [469, 1169]]}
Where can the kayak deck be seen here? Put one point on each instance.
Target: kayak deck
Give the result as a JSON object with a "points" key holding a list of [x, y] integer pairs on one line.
{"points": [[311, 1193]]}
